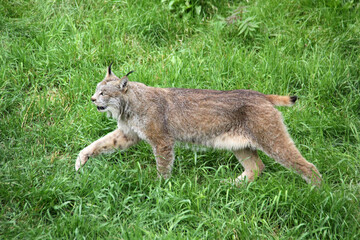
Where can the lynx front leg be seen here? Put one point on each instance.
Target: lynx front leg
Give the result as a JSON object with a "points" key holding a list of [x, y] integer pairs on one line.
{"points": [[251, 162], [108, 143], [164, 155]]}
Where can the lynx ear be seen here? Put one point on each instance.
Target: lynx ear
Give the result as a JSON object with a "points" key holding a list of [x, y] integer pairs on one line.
{"points": [[123, 84], [109, 73]]}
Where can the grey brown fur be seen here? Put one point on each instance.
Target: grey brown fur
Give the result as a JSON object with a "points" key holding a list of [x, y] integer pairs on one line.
{"points": [[240, 120]]}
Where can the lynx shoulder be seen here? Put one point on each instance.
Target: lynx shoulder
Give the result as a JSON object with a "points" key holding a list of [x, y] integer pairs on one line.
{"points": [[242, 121]]}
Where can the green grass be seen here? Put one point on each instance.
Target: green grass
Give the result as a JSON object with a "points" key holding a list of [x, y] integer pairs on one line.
{"points": [[53, 53]]}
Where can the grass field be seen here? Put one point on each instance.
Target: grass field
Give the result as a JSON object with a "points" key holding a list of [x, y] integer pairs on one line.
{"points": [[52, 55]]}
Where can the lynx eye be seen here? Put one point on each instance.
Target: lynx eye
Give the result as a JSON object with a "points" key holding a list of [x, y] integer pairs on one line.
{"points": [[101, 93]]}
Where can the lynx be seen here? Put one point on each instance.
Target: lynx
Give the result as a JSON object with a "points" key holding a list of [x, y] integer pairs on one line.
{"points": [[242, 121]]}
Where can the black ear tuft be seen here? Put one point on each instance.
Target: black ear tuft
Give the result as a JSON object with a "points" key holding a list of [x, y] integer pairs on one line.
{"points": [[109, 69], [129, 73]]}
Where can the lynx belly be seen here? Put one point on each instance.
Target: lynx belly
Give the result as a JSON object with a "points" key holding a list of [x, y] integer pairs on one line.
{"points": [[229, 142]]}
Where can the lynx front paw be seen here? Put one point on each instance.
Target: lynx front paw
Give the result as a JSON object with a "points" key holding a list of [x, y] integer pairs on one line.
{"points": [[80, 161], [235, 182]]}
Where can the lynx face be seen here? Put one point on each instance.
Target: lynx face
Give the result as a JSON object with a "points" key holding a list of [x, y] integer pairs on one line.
{"points": [[109, 95]]}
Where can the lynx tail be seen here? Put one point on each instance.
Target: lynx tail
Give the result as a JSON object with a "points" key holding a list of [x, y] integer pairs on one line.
{"points": [[282, 100]]}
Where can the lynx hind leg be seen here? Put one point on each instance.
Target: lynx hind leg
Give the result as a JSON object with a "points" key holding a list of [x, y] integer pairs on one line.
{"points": [[273, 138], [253, 166], [289, 156]]}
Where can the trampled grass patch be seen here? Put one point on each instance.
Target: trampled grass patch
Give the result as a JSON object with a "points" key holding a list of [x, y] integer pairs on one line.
{"points": [[53, 53]]}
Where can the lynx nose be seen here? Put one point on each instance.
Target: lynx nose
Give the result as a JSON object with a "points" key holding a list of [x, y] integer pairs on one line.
{"points": [[93, 99]]}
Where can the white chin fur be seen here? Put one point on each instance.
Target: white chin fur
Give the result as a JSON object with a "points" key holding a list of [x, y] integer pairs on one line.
{"points": [[112, 112]]}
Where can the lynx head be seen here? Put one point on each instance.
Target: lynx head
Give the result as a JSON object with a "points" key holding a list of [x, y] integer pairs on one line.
{"points": [[110, 94]]}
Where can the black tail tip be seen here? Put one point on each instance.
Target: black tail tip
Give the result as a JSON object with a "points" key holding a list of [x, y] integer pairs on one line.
{"points": [[293, 99]]}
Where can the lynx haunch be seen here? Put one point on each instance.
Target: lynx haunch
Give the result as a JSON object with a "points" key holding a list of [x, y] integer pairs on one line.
{"points": [[241, 121]]}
